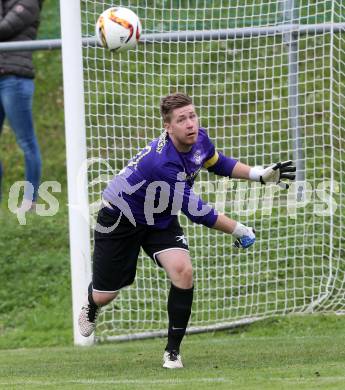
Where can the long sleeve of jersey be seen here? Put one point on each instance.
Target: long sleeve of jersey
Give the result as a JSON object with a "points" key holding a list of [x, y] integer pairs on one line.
{"points": [[196, 209], [220, 164]]}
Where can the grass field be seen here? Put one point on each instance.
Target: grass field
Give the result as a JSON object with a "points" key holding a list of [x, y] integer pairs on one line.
{"points": [[299, 353], [36, 346]]}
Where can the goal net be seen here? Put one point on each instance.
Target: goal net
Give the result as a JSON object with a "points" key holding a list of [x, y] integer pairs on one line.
{"points": [[268, 80]]}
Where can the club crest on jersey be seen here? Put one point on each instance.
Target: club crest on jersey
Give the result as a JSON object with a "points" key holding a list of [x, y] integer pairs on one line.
{"points": [[197, 157]]}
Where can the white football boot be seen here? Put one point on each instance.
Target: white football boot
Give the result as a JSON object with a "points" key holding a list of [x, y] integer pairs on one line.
{"points": [[87, 319], [172, 359]]}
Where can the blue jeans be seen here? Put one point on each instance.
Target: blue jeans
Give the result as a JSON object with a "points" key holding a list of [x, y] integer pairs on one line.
{"points": [[16, 105]]}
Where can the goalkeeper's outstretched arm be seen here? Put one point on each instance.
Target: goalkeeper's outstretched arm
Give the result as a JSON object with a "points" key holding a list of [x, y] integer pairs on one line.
{"points": [[275, 173]]}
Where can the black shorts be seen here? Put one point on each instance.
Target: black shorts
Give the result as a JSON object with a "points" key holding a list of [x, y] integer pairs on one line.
{"points": [[116, 252]]}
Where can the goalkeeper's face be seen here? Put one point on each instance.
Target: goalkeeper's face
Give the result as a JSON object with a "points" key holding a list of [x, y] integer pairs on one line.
{"points": [[183, 127]]}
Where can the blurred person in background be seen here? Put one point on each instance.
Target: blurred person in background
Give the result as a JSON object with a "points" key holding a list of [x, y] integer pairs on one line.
{"points": [[19, 21]]}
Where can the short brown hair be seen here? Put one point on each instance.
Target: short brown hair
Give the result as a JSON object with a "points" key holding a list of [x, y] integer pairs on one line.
{"points": [[171, 102]]}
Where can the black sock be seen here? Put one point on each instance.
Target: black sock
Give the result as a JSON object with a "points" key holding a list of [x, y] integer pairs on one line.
{"points": [[179, 308], [90, 297], [89, 289]]}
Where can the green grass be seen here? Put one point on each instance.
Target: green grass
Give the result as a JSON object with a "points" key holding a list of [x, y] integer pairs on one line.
{"points": [[275, 354], [35, 293]]}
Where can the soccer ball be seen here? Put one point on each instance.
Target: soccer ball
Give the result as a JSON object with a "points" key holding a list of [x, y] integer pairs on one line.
{"points": [[118, 28]]}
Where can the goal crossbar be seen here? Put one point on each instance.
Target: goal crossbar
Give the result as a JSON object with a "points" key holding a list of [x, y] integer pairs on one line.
{"points": [[187, 36]]}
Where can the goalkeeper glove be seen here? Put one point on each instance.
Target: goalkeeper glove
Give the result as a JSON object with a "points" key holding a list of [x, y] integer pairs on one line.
{"points": [[274, 174], [245, 236]]}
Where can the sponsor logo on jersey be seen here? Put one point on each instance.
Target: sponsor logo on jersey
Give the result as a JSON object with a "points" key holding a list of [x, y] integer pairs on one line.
{"points": [[162, 140]]}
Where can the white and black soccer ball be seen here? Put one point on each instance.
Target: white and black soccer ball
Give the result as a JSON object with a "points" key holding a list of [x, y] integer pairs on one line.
{"points": [[118, 28]]}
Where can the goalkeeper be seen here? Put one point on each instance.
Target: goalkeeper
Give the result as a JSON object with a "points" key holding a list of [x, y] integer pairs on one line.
{"points": [[140, 207]]}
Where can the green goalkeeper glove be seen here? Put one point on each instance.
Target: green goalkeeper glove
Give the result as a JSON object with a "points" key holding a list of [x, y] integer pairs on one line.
{"points": [[274, 174]]}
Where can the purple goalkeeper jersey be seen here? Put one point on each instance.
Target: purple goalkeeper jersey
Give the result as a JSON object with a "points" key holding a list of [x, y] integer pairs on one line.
{"points": [[157, 183]]}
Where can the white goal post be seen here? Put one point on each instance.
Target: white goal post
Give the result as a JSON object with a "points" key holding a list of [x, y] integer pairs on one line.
{"points": [[268, 80]]}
